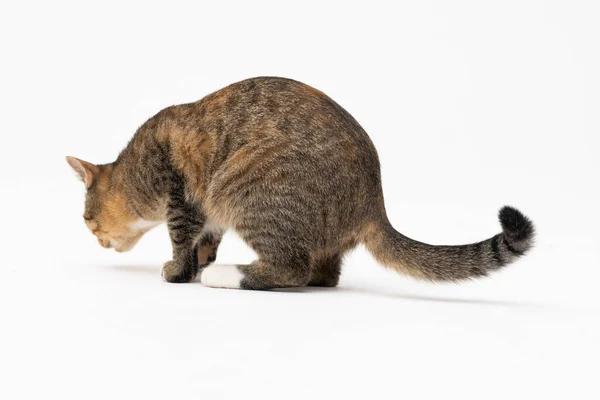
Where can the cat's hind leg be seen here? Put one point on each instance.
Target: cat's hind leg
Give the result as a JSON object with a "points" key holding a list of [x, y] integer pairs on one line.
{"points": [[272, 220], [325, 271], [206, 249]]}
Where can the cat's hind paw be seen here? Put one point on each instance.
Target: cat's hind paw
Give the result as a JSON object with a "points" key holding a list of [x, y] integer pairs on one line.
{"points": [[222, 276]]}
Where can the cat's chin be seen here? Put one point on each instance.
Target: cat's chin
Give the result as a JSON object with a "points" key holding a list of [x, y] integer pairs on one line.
{"points": [[124, 249]]}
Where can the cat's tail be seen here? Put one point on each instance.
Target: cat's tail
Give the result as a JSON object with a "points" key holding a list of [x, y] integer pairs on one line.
{"points": [[451, 263]]}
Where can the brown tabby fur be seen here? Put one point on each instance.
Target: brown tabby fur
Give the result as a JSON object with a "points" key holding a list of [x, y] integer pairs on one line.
{"points": [[290, 171]]}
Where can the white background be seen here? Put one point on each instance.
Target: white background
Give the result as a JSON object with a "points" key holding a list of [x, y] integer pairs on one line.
{"points": [[471, 104]]}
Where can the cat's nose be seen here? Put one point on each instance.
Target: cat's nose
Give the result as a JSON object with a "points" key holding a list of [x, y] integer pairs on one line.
{"points": [[104, 243]]}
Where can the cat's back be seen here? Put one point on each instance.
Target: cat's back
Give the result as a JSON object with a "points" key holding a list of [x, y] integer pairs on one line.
{"points": [[268, 111]]}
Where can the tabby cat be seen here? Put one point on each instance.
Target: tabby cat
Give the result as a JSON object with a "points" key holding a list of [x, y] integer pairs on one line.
{"points": [[290, 171]]}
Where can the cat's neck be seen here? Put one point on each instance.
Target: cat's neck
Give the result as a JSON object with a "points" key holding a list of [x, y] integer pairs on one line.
{"points": [[142, 170]]}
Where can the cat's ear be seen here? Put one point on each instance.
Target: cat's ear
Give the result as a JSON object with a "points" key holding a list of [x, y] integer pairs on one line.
{"points": [[86, 171]]}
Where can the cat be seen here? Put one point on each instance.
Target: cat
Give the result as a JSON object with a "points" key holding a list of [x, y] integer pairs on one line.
{"points": [[290, 171]]}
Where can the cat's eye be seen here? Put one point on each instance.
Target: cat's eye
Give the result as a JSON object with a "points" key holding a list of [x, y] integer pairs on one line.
{"points": [[87, 218]]}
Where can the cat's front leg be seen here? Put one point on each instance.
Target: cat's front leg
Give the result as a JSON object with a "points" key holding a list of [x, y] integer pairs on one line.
{"points": [[185, 222]]}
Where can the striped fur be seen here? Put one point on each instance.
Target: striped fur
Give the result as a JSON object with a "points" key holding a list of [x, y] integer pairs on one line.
{"points": [[290, 171]]}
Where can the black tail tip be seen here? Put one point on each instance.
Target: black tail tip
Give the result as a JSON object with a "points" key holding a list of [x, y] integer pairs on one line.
{"points": [[515, 225]]}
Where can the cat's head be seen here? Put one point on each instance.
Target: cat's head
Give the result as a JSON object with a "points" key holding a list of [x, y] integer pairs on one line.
{"points": [[108, 214]]}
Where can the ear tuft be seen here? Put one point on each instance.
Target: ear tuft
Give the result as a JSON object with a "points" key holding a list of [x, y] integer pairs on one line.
{"points": [[87, 171]]}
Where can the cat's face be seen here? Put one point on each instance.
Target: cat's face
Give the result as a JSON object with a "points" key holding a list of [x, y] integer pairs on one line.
{"points": [[107, 213]]}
